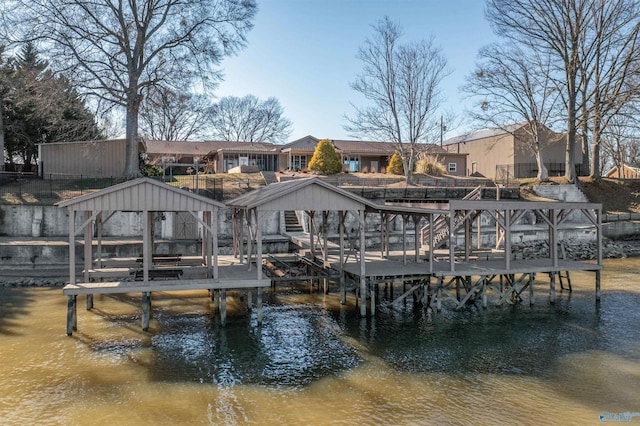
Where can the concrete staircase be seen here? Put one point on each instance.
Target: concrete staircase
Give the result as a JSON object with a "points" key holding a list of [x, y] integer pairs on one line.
{"points": [[269, 177], [567, 193], [291, 222]]}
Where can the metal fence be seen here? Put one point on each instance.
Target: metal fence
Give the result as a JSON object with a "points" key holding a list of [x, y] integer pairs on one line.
{"points": [[23, 188], [530, 170]]}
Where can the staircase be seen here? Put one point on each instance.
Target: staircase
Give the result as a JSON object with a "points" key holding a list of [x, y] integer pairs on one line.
{"points": [[291, 221], [441, 224], [568, 193], [269, 177]]}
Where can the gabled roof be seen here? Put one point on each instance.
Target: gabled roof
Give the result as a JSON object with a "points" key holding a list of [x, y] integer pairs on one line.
{"points": [[302, 143], [314, 194], [143, 194], [359, 147], [484, 133], [300, 194], [205, 147]]}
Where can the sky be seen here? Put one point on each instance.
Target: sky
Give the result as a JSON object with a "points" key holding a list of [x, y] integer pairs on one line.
{"points": [[303, 52]]}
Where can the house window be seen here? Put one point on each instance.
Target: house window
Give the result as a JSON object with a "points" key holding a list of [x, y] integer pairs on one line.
{"points": [[353, 163], [453, 167], [298, 162]]}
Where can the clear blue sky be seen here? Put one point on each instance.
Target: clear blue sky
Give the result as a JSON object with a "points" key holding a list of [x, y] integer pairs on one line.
{"points": [[303, 53]]}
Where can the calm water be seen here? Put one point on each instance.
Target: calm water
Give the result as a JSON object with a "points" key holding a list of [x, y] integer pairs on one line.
{"points": [[313, 362]]}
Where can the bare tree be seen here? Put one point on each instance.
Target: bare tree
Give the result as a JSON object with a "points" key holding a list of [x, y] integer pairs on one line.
{"points": [[554, 28], [166, 114], [248, 119], [512, 86], [610, 59], [116, 50], [620, 142], [401, 84]]}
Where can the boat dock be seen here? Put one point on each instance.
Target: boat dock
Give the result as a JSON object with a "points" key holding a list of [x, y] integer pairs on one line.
{"points": [[446, 263]]}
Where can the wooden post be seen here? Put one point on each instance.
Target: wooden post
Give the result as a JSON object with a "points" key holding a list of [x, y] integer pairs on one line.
{"points": [[363, 279], [71, 314], [416, 237], [404, 240], [88, 255], [259, 217], [531, 297], [507, 239], [241, 214], [452, 246], [325, 251], [146, 244], [484, 291], [72, 247], [597, 285], [552, 289], [249, 238], [343, 286], [214, 241], [146, 310]]}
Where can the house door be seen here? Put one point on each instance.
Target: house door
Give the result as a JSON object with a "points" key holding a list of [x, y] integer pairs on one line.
{"points": [[186, 226], [374, 166]]}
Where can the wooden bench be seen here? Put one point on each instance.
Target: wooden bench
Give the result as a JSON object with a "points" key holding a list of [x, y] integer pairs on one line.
{"points": [[158, 273], [163, 258]]}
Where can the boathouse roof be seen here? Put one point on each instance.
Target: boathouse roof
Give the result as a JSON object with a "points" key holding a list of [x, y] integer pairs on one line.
{"points": [[301, 194], [314, 194], [143, 194]]}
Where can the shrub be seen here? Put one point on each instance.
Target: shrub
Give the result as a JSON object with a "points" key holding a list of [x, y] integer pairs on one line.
{"points": [[429, 165], [151, 170], [365, 169], [325, 159], [395, 166]]}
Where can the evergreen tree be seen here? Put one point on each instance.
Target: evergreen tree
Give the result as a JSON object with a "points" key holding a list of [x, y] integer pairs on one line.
{"points": [[325, 159], [395, 166], [39, 107]]}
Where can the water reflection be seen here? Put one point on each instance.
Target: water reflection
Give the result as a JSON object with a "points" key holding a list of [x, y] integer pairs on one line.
{"points": [[315, 362]]}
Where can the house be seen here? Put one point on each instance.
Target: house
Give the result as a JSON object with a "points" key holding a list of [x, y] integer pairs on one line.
{"points": [[358, 156], [623, 172], [99, 158], [106, 158], [502, 152], [213, 156]]}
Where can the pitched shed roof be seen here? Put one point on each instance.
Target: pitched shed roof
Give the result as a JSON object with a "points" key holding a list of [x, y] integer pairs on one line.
{"points": [[484, 133], [205, 147], [142, 194], [300, 194]]}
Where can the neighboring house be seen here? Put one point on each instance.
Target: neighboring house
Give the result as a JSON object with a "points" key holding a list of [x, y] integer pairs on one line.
{"points": [[100, 158], [623, 172], [358, 156], [106, 158], [213, 156], [498, 153]]}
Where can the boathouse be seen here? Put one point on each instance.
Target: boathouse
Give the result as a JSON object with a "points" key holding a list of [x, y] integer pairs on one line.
{"points": [[447, 263], [150, 271]]}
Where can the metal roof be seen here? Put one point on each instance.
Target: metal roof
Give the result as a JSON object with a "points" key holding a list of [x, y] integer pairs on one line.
{"points": [[316, 195], [300, 194], [143, 194], [484, 133]]}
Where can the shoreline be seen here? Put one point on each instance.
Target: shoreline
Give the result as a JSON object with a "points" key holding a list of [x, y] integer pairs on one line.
{"points": [[576, 250]]}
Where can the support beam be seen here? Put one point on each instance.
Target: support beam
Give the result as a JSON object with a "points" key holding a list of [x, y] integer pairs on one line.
{"points": [[343, 286], [363, 278]]}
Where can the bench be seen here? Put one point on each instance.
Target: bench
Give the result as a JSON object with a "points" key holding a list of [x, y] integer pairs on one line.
{"points": [[162, 258], [159, 273]]}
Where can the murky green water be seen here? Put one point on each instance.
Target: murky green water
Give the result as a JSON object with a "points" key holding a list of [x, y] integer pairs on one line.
{"points": [[313, 362]]}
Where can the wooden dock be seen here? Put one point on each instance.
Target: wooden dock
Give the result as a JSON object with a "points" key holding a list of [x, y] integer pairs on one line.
{"points": [[232, 276]]}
